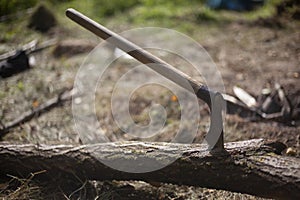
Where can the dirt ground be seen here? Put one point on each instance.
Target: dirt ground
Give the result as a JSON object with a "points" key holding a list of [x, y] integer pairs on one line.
{"points": [[250, 55]]}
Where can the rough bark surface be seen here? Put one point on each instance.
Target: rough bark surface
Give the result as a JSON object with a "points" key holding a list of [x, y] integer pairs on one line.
{"points": [[251, 167]]}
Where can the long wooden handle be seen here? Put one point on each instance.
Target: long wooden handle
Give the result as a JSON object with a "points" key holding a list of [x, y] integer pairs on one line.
{"points": [[142, 55]]}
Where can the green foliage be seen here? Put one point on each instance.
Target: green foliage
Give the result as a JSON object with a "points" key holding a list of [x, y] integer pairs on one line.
{"points": [[182, 15], [20, 85], [187, 16], [111, 7], [205, 14], [164, 12], [267, 10], [12, 6]]}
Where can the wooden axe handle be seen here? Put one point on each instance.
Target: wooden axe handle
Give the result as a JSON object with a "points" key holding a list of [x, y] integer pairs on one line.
{"points": [[142, 55]]}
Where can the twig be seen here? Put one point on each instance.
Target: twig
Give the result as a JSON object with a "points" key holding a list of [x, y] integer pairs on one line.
{"points": [[47, 106], [31, 47]]}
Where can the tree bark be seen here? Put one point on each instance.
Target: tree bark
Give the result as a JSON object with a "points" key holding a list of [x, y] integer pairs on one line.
{"points": [[251, 167]]}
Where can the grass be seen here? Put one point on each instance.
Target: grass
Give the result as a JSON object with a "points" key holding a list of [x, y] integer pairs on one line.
{"points": [[21, 188], [186, 16], [11, 6], [265, 11]]}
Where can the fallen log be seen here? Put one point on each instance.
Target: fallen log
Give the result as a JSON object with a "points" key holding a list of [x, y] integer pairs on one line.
{"points": [[251, 167]]}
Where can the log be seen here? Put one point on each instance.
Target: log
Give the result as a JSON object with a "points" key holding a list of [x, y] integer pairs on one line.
{"points": [[252, 167]]}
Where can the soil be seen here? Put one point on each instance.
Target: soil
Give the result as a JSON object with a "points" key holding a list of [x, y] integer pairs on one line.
{"points": [[250, 56]]}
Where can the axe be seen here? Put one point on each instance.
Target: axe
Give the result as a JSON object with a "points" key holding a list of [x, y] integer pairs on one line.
{"points": [[213, 99]]}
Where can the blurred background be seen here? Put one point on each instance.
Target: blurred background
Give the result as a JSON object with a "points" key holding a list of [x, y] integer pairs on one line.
{"points": [[254, 43]]}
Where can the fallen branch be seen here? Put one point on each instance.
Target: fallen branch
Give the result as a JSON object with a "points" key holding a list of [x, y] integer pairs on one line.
{"points": [[251, 167], [28, 115]]}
